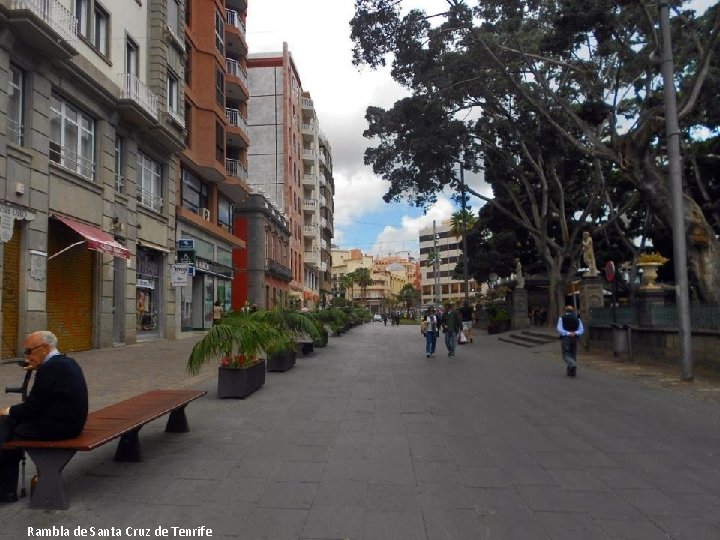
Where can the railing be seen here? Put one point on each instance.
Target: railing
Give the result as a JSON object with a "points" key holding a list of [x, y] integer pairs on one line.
{"points": [[323, 222], [234, 118], [54, 14], [235, 168], [702, 316], [277, 269], [133, 88], [235, 69], [307, 103], [309, 203], [309, 230], [149, 199], [323, 200], [311, 257], [323, 182], [233, 19], [308, 128], [15, 131], [309, 179], [119, 183], [72, 161], [308, 153]]}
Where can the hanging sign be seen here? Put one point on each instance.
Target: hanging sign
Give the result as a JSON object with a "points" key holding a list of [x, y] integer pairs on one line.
{"points": [[180, 274]]}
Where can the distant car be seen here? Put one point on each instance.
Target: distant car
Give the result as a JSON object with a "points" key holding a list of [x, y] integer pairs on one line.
{"points": [[377, 317]]}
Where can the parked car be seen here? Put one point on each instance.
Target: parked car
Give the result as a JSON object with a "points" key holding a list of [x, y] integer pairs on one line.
{"points": [[377, 317]]}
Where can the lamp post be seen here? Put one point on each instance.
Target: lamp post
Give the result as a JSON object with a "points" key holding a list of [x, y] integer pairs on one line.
{"points": [[464, 231], [436, 267]]}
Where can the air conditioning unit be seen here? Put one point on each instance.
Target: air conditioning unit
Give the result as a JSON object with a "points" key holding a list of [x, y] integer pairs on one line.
{"points": [[204, 213]]}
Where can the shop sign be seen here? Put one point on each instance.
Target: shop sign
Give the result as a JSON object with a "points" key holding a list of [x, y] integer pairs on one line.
{"points": [[186, 257], [186, 244], [180, 274], [202, 265], [145, 284], [8, 214]]}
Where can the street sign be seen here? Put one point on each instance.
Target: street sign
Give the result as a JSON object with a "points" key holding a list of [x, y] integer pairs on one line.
{"points": [[186, 257], [610, 271], [186, 244], [180, 273]]}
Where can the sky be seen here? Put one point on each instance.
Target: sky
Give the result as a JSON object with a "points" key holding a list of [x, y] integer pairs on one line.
{"points": [[318, 37]]}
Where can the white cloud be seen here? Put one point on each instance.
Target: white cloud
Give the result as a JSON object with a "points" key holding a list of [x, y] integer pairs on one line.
{"points": [[355, 195]]}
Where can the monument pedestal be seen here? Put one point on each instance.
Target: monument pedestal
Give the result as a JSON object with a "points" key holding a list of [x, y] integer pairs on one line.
{"points": [[645, 299], [520, 309], [591, 295]]}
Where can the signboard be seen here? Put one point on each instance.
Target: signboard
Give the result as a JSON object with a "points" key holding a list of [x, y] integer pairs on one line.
{"points": [[180, 275], [8, 214], [186, 257], [186, 244], [145, 284]]}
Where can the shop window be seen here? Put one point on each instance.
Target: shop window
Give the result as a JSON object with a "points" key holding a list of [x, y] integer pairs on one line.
{"points": [[16, 104], [72, 138], [149, 189]]}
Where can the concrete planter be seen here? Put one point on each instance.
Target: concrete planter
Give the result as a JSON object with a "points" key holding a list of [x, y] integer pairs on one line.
{"points": [[281, 361], [240, 382]]}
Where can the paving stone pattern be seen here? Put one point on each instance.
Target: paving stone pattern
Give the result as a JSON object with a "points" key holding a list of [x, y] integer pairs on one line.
{"points": [[367, 439]]}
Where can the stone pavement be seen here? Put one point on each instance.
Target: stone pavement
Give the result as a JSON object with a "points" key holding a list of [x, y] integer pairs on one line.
{"points": [[369, 440]]}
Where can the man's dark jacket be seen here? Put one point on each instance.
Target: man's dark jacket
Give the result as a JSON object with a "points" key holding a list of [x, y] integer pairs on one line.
{"points": [[57, 406]]}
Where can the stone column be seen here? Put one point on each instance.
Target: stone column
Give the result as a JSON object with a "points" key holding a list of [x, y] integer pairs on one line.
{"points": [[645, 298], [519, 309]]}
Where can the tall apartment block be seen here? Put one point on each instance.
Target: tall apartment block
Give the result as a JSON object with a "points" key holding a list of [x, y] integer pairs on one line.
{"points": [[214, 173], [449, 253], [91, 121], [290, 163]]}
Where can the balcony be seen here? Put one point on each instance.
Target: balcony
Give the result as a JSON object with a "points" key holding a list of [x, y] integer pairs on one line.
{"points": [[310, 230], [236, 133], [236, 169], [137, 101], [237, 82], [307, 103], [308, 129], [278, 270], [322, 181], [323, 222], [323, 201], [309, 179], [45, 25], [309, 205], [235, 32], [308, 155], [175, 117], [234, 118], [311, 257]]}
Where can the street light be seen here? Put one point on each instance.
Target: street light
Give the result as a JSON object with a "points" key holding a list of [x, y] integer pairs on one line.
{"points": [[464, 230]]}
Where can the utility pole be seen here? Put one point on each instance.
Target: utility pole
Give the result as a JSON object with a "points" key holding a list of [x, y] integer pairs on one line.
{"points": [[436, 267], [464, 232], [678, 209]]}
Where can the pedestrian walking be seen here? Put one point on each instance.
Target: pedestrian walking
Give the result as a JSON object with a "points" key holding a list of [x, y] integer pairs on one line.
{"points": [[570, 328], [430, 328], [468, 317], [451, 325]]}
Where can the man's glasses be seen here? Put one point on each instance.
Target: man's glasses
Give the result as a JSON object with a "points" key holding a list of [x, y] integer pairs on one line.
{"points": [[29, 351]]}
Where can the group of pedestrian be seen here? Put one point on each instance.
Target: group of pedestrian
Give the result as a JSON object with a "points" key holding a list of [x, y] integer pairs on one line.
{"points": [[451, 321]]}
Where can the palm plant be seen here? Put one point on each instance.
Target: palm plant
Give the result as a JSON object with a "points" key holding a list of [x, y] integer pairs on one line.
{"points": [[333, 317], [456, 222], [239, 338], [295, 323], [364, 279]]}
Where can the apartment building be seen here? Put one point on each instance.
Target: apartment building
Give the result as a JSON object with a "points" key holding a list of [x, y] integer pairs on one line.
{"points": [[213, 179], [443, 246], [290, 161], [91, 122]]}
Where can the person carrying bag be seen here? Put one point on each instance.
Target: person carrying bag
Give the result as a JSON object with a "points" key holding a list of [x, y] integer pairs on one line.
{"points": [[430, 328]]}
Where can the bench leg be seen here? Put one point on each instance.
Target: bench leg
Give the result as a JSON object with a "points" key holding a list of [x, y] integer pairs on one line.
{"points": [[177, 421], [128, 448], [49, 493]]}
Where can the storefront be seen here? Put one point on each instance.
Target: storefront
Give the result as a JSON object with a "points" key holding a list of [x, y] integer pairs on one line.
{"points": [[148, 293]]}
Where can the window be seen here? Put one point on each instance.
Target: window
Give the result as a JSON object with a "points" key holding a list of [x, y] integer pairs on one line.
{"points": [[220, 87], [72, 138], [119, 165], [188, 63], [194, 192], [219, 31], [225, 214], [188, 3], [149, 188], [188, 123], [82, 15], [131, 58], [219, 142], [100, 36], [15, 105], [173, 16], [172, 93]]}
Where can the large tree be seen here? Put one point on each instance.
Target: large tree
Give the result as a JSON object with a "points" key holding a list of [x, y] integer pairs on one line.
{"points": [[582, 73]]}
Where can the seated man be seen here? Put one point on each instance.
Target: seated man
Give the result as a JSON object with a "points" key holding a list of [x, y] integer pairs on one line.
{"points": [[56, 408]]}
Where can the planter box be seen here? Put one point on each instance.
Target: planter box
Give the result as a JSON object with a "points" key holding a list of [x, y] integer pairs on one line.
{"points": [[240, 382], [498, 327], [323, 341], [281, 361]]}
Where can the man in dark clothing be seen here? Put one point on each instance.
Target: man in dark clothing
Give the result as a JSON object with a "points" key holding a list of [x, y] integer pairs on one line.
{"points": [[570, 328], [55, 409], [451, 324], [468, 315]]}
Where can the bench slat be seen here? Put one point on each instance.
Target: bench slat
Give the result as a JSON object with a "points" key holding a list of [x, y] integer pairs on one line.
{"points": [[115, 420]]}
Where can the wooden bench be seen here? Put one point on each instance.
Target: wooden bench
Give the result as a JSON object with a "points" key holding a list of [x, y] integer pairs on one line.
{"points": [[123, 420]]}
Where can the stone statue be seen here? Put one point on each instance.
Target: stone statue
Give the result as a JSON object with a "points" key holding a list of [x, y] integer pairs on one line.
{"points": [[588, 255], [519, 275]]}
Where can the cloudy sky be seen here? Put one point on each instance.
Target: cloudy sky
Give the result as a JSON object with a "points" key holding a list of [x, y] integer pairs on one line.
{"points": [[318, 36]]}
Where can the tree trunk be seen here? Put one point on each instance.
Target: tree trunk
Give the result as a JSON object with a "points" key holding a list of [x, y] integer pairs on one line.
{"points": [[557, 293]]}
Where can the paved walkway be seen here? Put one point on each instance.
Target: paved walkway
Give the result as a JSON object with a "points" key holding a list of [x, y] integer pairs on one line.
{"points": [[368, 439]]}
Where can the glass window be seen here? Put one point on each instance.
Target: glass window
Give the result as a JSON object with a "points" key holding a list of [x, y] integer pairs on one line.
{"points": [[219, 142], [82, 15], [15, 105], [220, 87], [72, 138], [172, 93], [219, 31], [188, 63], [119, 165], [188, 123], [194, 192], [100, 37], [131, 58], [225, 213], [149, 192], [173, 16]]}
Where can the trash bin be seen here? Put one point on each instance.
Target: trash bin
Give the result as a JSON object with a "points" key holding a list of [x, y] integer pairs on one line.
{"points": [[620, 337]]}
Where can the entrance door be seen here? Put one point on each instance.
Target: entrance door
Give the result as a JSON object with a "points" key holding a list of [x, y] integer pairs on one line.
{"points": [[11, 295]]}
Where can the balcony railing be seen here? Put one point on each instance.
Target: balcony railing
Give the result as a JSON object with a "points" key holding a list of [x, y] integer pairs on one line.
{"points": [[323, 201], [323, 222], [236, 169], [234, 118], [150, 200], [133, 88], [309, 230], [311, 257], [307, 103], [278, 269], [54, 14], [309, 179], [235, 68], [119, 183], [15, 131], [233, 19], [309, 204], [309, 154], [63, 156], [308, 128]]}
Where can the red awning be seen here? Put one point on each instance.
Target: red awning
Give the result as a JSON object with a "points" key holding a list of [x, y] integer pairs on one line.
{"points": [[96, 239]]}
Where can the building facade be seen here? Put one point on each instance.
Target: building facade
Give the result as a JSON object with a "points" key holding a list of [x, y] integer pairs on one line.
{"points": [[213, 173], [443, 246], [89, 135]]}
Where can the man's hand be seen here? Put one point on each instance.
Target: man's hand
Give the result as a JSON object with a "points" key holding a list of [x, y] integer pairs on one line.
{"points": [[5, 410]]}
